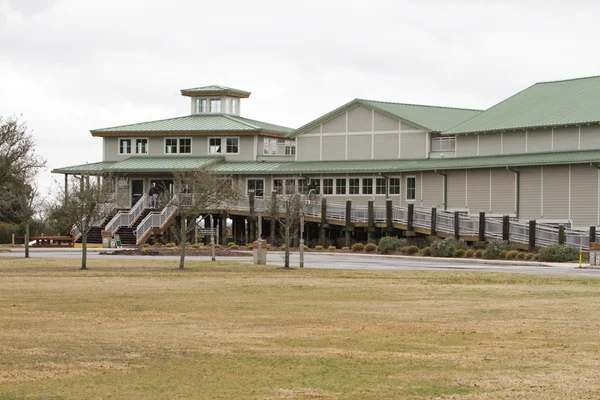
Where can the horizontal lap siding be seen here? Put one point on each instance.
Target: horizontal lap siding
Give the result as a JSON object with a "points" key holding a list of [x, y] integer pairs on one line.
{"points": [[466, 145], [513, 142], [309, 148], [359, 147], [334, 147], [584, 195], [478, 184], [531, 193], [490, 144], [386, 146], [433, 190], [566, 139], [503, 191], [556, 192], [456, 189], [539, 140]]}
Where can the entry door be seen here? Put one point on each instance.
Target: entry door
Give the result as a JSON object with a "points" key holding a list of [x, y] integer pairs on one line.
{"points": [[137, 190]]}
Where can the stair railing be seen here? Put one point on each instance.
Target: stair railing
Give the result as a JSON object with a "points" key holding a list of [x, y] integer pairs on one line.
{"points": [[127, 218], [155, 220], [105, 210]]}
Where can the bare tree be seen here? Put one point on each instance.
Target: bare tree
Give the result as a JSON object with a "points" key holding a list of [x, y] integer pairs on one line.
{"points": [[288, 211], [87, 202], [198, 192]]}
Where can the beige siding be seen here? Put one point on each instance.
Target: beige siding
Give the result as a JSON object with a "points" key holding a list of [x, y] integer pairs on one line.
{"points": [[386, 146], [413, 145], [584, 195], [359, 147], [590, 137], [246, 149], [156, 146], [308, 148], [122, 197], [539, 141], [457, 186], [466, 145], [417, 201], [335, 124], [503, 191], [111, 149], [566, 138], [316, 129], [433, 190], [334, 147], [556, 192], [530, 193], [385, 123], [360, 119], [407, 127], [478, 185], [489, 143], [513, 142]]}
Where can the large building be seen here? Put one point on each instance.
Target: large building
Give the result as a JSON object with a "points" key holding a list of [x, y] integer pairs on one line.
{"points": [[533, 156]]}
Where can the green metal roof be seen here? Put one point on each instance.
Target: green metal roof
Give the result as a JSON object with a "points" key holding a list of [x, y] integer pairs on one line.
{"points": [[429, 118], [198, 123], [545, 104], [215, 89], [99, 167], [142, 164]]}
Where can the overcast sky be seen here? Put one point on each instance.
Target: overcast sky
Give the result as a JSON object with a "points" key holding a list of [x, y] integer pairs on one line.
{"points": [[69, 66]]}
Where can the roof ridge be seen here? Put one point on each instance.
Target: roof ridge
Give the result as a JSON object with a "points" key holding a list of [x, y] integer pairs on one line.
{"points": [[421, 105], [569, 80], [262, 122], [145, 122], [235, 118]]}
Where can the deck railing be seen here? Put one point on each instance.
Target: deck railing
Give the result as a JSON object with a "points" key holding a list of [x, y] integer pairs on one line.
{"points": [[105, 211]]}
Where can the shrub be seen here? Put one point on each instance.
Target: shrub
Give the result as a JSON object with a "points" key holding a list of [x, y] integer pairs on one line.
{"points": [[389, 244], [402, 249], [535, 257], [511, 255], [146, 250], [358, 247], [170, 244], [410, 250], [305, 247], [529, 256], [558, 253], [446, 247], [478, 253], [188, 244], [458, 253], [494, 248], [370, 247], [332, 247], [426, 251], [522, 255], [218, 246], [502, 255], [318, 247], [283, 246], [233, 247], [249, 246], [230, 244], [196, 246], [469, 253], [345, 248]]}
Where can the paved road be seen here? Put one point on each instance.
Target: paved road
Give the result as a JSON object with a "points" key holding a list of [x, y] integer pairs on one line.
{"points": [[353, 261]]}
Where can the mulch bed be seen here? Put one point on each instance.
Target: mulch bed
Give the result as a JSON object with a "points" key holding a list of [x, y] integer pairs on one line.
{"points": [[174, 251]]}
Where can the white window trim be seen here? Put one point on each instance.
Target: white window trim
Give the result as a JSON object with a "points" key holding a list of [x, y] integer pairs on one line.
{"points": [[406, 178], [372, 186], [443, 139], [238, 146], [177, 148], [223, 145], [131, 146], [208, 145], [399, 186], [256, 179], [134, 144], [335, 186]]}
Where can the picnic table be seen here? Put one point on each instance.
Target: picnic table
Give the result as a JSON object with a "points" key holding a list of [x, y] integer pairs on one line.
{"points": [[50, 240]]}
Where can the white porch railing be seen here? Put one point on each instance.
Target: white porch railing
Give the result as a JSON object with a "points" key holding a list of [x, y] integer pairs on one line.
{"points": [[154, 220], [421, 218], [105, 210], [126, 218]]}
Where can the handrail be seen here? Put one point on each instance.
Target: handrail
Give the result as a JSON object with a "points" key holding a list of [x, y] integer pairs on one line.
{"points": [[154, 220], [127, 218], [105, 210]]}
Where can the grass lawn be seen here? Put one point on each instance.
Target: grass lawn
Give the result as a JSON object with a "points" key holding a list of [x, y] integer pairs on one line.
{"points": [[129, 329]]}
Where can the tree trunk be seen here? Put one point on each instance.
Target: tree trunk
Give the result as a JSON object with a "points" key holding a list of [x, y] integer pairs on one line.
{"points": [[182, 240], [27, 239], [287, 246], [84, 249]]}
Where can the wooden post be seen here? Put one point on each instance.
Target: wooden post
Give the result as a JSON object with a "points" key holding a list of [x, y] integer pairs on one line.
{"points": [[370, 220], [561, 234], [505, 227], [592, 234], [456, 225], [482, 226], [224, 235], [273, 217], [349, 227], [433, 221], [389, 214], [251, 222], [323, 221], [532, 226], [411, 214], [66, 186]]}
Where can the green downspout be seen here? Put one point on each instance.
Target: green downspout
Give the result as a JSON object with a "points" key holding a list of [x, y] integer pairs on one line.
{"points": [[518, 189]]}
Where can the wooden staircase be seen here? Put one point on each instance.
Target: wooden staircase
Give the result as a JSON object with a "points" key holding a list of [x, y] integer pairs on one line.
{"points": [[127, 234], [94, 235]]}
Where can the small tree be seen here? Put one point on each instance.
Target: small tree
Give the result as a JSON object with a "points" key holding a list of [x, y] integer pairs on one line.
{"points": [[86, 203], [288, 211], [196, 193]]}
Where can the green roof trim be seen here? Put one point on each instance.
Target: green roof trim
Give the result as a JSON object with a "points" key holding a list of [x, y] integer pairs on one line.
{"points": [[545, 104], [198, 123], [90, 168], [429, 118], [213, 89], [142, 164]]}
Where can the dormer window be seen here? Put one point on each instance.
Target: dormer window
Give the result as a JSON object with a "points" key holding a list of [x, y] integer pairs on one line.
{"points": [[227, 101], [200, 106], [234, 103], [215, 105]]}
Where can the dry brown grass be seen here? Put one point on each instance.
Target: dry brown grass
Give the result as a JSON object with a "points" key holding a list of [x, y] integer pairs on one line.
{"points": [[128, 329]]}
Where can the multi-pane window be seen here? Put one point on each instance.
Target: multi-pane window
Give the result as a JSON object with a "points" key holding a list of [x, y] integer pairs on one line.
{"points": [[124, 146], [443, 144], [178, 145], [232, 145], [234, 103], [316, 185], [227, 101], [367, 186], [394, 186], [340, 186], [278, 185], [215, 105], [141, 146], [380, 186], [302, 186], [354, 185], [269, 146], [411, 188], [328, 186], [200, 106], [290, 148], [214, 145], [290, 186], [258, 185]]}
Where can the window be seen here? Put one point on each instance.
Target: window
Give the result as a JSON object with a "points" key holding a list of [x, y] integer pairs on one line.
{"points": [[290, 186], [367, 187], [258, 185], [124, 146], [380, 186], [178, 145], [200, 106], [411, 188], [327, 186], [278, 185], [443, 144], [227, 101], [214, 145], [269, 146], [141, 146], [316, 185], [232, 145], [394, 186], [290, 148], [354, 185], [234, 103], [215, 105], [340, 186], [302, 186]]}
